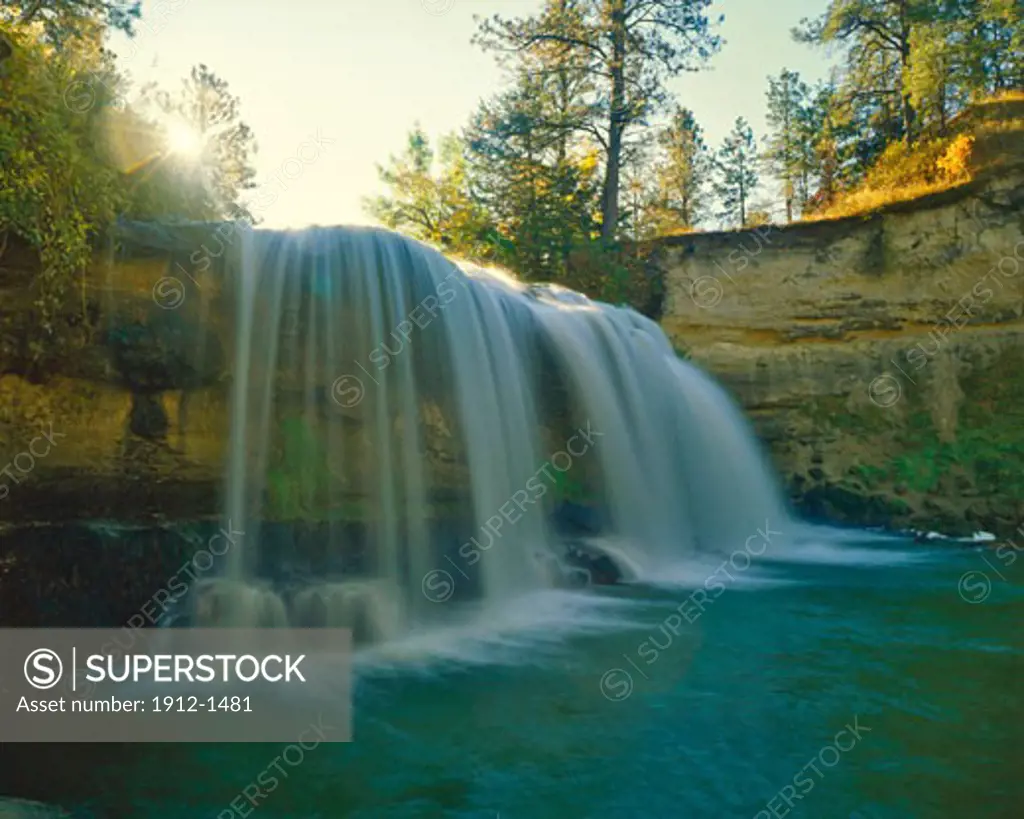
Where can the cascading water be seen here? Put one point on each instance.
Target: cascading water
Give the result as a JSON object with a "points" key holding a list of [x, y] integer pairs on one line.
{"points": [[358, 350]]}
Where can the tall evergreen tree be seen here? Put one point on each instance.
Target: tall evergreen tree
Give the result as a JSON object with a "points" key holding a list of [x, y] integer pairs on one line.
{"points": [[789, 146], [681, 175], [628, 48], [911, 65], [222, 167], [878, 36], [736, 178], [536, 186]]}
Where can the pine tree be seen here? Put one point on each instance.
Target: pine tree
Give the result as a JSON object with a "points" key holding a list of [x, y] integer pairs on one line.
{"points": [[788, 149], [223, 170], [737, 177], [681, 175], [878, 36], [628, 48], [535, 184]]}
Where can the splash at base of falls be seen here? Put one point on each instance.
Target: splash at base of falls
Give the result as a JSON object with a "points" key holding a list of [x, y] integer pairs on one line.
{"points": [[456, 410]]}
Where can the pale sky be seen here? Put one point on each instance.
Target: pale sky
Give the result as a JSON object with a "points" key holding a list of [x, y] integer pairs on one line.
{"points": [[362, 72]]}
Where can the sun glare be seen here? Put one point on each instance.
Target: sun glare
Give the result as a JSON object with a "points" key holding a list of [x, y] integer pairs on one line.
{"points": [[183, 139]]}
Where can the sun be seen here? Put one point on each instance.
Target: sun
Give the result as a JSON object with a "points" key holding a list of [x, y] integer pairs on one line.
{"points": [[183, 139]]}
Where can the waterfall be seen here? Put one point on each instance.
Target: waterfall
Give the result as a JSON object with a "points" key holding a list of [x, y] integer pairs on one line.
{"points": [[405, 430]]}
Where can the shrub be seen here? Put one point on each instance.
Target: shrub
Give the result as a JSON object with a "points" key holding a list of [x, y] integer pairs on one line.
{"points": [[955, 163], [56, 192], [902, 165]]}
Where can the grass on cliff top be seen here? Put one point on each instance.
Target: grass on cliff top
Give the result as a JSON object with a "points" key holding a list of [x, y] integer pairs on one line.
{"points": [[987, 136]]}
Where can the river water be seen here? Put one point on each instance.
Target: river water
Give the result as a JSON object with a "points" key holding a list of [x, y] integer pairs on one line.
{"points": [[863, 676]]}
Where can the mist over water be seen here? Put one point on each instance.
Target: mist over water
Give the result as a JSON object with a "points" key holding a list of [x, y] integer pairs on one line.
{"points": [[360, 355]]}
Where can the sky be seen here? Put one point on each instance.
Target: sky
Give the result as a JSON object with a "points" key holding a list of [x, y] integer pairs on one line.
{"points": [[332, 87]]}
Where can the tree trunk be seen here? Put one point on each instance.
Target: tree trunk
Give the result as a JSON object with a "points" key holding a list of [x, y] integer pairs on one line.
{"points": [[908, 119], [908, 107], [562, 145], [743, 196], [610, 193]]}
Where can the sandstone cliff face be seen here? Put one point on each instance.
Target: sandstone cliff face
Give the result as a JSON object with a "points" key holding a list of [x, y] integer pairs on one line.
{"points": [[880, 358], [130, 421]]}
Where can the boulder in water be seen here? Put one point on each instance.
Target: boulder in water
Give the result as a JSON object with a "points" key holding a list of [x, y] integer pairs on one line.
{"points": [[597, 566], [577, 520]]}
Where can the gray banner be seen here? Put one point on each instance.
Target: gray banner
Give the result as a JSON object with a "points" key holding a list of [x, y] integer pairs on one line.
{"points": [[175, 685]]}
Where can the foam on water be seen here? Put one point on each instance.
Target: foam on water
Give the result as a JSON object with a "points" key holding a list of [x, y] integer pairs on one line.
{"points": [[349, 339], [528, 629]]}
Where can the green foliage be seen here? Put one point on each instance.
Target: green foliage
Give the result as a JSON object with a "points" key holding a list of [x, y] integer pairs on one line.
{"points": [[680, 200], [429, 198], [988, 447], [736, 165], [73, 156], [216, 175], [995, 459], [902, 164], [538, 190], [912, 65], [56, 190], [871, 476], [62, 21], [298, 477], [606, 62], [566, 488], [795, 124], [576, 155]]}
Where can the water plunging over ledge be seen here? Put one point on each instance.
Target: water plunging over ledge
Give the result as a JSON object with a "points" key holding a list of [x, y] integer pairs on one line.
{"points": [[356, 348]]}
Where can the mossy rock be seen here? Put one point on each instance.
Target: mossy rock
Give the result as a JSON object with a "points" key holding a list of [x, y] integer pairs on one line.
{"points": [[842, 503]]}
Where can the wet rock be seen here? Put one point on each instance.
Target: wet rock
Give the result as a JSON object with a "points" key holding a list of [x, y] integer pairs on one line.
{"points": [[24, 809], [597, 567], [148, 419], [576, 520], [167, 352], [841, 504]]}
